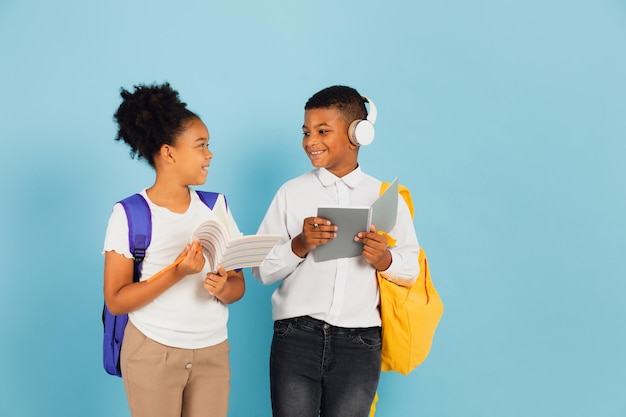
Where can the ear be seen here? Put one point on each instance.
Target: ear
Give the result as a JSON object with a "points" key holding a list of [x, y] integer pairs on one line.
{"points": [[166, 153]]}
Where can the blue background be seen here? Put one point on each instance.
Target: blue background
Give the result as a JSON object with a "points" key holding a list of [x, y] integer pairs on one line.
{"points": [[506, 119]]}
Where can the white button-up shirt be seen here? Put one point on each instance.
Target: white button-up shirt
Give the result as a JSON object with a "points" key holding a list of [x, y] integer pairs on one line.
{"points": [[342, 292]]}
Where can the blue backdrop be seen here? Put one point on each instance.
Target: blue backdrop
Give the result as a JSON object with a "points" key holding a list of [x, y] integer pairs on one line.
{"points": [[506, 119]]}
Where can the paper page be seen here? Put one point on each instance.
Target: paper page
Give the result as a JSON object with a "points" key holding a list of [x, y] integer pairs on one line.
{"points": [[247, 251], [241, 252], [385, 208]]}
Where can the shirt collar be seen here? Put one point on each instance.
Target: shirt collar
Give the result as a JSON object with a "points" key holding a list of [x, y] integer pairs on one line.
{"points": [[351, 179]]}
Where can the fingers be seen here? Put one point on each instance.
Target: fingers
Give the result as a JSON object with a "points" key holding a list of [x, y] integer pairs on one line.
{"points": [[374, 249], [195, 247], [371, 239], [318, 224], [192, 259], [191, 249], [374, 245], [214, 283], [317, 231]]}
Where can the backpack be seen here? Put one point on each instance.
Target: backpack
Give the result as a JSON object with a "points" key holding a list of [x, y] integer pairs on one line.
{"points": [[139, 237], [409, 315]]}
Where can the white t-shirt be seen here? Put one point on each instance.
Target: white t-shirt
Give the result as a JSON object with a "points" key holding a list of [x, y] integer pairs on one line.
{"points": [[186, 315]]}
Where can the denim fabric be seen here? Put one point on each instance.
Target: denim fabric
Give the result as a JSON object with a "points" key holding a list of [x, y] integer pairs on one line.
{"points": [[319, 369]]}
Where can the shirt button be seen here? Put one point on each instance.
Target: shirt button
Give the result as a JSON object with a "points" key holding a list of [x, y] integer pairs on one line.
{"points": [[188, 366]]}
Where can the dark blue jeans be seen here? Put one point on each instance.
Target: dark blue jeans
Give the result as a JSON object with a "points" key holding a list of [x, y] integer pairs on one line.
{"points": [[319, 369]]}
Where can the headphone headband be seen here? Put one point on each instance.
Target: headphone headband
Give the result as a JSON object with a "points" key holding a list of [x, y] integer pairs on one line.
{"points": [[372, 113]]}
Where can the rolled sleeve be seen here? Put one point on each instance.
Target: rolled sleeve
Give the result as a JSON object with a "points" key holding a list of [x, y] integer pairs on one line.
{"points": [[279, 263]]}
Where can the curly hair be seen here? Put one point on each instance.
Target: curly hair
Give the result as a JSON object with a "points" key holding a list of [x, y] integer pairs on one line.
{"points": [[149, 117], [348, 100]]}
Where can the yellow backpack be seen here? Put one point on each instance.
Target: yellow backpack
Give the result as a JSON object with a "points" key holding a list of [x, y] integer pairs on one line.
{"points": [[409, 315]]}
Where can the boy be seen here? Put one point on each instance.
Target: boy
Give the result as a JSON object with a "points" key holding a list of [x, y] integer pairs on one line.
{"points": [[325, 355]]}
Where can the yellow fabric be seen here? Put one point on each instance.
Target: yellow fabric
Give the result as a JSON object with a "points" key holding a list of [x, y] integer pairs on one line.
{"points": [[373, 407], [391, 242], [409, 315]]}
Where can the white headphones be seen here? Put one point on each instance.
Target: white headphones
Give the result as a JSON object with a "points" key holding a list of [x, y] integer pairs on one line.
{"points": [[361, 132]]}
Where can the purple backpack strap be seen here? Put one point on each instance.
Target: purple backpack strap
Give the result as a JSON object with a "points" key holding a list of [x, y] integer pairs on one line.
{"points": [[139, 237], [139, 228], [209, 198]]}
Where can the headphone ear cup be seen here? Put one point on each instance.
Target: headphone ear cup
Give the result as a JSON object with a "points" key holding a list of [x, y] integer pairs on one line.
{"points": [[361, 132], [351, 130]]}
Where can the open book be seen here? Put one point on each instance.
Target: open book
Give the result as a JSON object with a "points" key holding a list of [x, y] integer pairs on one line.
{"points": [[239, 252], [352, 220]]}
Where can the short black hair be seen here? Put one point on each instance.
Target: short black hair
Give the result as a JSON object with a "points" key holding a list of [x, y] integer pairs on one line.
{"points": [[346, 99], [149, 117]]}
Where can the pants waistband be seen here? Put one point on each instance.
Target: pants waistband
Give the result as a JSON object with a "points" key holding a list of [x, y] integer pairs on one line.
{"points": [[308, 322]]}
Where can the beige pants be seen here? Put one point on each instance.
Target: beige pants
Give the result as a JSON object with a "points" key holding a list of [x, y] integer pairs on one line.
{"points": [[162, 381]]}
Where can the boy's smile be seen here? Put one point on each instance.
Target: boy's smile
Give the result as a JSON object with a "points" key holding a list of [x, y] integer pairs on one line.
{"points": [[326, 142]]}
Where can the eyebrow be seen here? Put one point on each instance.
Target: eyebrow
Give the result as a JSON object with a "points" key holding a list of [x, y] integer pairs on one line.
{"points": [[317, 126]]}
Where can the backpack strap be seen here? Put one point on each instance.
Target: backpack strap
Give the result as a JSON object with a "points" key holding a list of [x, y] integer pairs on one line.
{"points": [[140, 224], [139, 229], [209, 198], [139, 220]]}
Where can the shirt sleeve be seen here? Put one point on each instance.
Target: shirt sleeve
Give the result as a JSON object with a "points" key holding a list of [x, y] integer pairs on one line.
{"points": [[116, 238], [280, 261]]}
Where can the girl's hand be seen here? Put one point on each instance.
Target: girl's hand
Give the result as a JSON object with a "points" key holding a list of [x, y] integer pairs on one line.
{"points": [[193, 260], [375, 249], [214, 283]]}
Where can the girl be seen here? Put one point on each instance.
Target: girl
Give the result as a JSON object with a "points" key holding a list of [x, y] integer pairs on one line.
{"points": [[174, 358]]}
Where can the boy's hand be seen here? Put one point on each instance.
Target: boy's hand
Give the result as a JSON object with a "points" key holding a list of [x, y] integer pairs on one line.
{"points": [[374, 249], [193, 261], [315, 231], [214, 283]]}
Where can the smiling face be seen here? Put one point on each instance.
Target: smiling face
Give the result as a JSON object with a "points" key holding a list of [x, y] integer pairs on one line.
{"points": [[191, 153], [326, 141]]}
